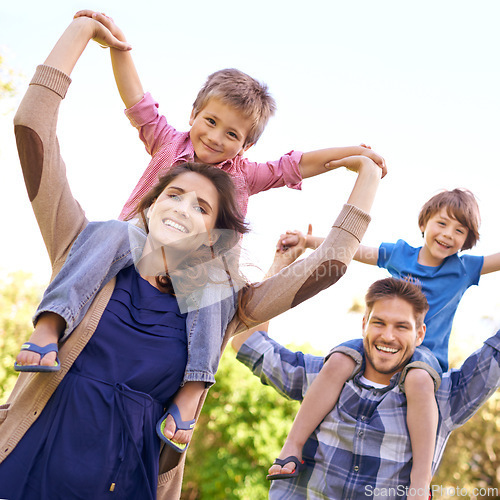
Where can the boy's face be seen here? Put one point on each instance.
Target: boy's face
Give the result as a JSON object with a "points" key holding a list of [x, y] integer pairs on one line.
{"points": [[218, 132], [443, 236], [390, 336]]}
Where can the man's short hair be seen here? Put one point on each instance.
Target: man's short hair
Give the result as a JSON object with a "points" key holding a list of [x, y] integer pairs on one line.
{"points": [[242, 92], [406, 290], [460, 204]]}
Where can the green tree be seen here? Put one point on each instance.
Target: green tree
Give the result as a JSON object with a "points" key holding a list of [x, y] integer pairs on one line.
{"points": [[19, 296]]}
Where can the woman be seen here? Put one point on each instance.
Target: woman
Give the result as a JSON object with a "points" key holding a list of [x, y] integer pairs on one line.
{"points": [[95, 436]]}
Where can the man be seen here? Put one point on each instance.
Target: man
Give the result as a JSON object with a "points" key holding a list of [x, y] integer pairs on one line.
{"points": [[362, 448]]}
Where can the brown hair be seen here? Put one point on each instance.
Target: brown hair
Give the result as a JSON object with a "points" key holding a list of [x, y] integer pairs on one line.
{"points": [[461, 205], [407, 290], [242, 92], [229, 218]]}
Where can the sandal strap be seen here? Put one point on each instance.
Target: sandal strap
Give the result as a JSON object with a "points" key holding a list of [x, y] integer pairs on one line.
{"points": [[183, 425], [30, 346]]}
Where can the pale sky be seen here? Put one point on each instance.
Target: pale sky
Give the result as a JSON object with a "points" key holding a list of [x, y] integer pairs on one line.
{"points": [[418, 81]]}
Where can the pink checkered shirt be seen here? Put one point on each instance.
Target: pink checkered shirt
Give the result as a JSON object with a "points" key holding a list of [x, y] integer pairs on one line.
{"points": [[168, 148]]}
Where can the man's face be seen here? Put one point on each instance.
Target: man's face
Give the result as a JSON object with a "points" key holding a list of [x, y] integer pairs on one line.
{"points": [[390, 336]]}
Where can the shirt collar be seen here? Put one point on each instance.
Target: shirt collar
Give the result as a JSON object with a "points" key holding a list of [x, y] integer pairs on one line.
{"points": [[393, 383]]}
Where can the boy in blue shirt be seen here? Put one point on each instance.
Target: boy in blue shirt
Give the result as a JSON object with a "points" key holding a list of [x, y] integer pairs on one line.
{"points": [[449, 223]]}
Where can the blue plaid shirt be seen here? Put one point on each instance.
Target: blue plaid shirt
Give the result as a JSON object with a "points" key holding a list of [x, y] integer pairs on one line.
{"points": [[362, 448]]}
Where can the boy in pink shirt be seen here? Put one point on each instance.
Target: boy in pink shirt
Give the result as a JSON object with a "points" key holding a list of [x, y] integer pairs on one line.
{"points": [[228, 117], [168, 147]]}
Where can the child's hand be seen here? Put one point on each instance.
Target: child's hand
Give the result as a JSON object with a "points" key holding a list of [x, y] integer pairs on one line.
{"points": [[295, 240], [369, 153], [289, 248], [106, 21]]}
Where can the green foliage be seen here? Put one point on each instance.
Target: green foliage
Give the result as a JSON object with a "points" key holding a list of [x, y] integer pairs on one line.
{"points": [[19, 297], [240, 432]]}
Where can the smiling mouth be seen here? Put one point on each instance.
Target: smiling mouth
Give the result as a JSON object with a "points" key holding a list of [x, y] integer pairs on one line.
{"points": [[444, 245], [175, 225], [383, 348], [210, 148]]}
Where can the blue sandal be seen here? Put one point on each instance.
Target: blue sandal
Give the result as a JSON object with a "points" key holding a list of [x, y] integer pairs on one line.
{"points": [[183, 425], [299, 465], [29, 346]]}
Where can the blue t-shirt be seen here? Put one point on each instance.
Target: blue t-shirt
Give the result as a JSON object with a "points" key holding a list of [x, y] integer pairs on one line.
{"points": [[443, 286]]}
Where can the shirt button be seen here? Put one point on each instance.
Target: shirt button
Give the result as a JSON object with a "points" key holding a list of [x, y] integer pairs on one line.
{"points": [[356, 468], [360, 433], [363, 418]]}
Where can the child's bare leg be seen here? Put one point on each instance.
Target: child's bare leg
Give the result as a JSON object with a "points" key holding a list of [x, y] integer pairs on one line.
{"points": [[318, 401], [422, 421], [47, 331], [187, 400]]}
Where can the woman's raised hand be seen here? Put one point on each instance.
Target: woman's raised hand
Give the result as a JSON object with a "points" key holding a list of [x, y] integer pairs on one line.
{"points": [[106, 21]]}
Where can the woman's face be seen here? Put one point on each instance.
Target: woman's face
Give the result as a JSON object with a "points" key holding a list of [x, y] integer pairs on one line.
{"points": [[185, 213]]}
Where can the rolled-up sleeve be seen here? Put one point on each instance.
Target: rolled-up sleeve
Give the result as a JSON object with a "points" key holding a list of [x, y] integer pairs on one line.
{"points": [[154, 131], [282, 172]]}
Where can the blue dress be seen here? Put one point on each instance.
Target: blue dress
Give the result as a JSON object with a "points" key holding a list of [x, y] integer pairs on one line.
{"points": [[96, 436]]}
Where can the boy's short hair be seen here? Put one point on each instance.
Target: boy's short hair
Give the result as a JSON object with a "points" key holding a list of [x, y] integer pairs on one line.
{"points": [[405, 289], [244, 93], [460, 204]]}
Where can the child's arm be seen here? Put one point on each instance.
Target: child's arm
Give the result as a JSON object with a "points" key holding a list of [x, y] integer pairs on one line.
{"points": [[73, 41], [364, 254], [323, 160], [491, 264], [367, 255], [126, 76]]}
